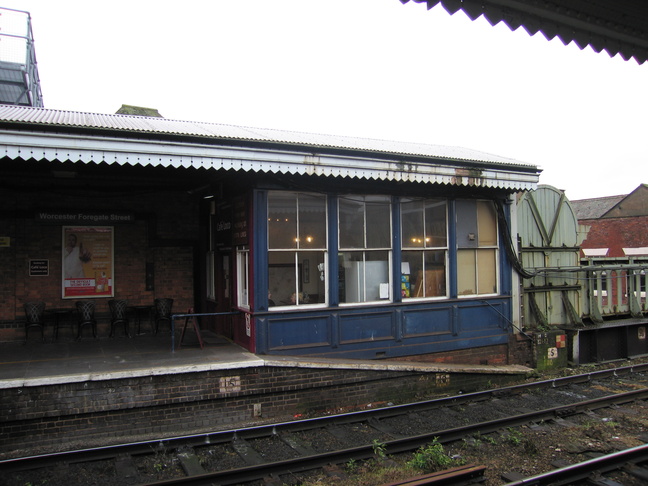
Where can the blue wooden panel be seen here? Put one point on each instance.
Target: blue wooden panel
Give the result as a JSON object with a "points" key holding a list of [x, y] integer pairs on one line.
{"points": [[299, 331], [476, 316], [425, 322], [366, 326], [391, 331]]}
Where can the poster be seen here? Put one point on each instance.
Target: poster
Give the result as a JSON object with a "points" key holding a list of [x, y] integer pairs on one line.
{"points": [[88, 256]]}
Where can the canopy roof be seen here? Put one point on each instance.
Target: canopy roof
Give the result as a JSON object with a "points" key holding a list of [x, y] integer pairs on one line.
{"points": [[615, 26], [55, 135]]}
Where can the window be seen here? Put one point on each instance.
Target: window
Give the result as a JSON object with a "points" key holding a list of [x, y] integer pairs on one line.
{"points": [[365, 248], [477, 251], [243, 276], [424, 248], [297, 246]]}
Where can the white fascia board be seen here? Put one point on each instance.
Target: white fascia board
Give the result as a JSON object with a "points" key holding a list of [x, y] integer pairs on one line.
{"points": [[75, 148]]}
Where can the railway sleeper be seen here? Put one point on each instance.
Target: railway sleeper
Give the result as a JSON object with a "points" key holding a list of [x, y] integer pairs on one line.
{"points": [[335, 472], [297, 445], [380, 426], [638, 472], [596, 479], [190, 462], [458, 476], [247, 453], [126, 468]]}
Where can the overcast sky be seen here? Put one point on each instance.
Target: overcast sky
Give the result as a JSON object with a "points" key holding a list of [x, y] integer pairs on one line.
{"points": [[366, 68]]}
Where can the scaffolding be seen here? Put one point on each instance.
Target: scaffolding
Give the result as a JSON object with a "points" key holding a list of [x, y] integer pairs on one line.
{"points": [[19, 80]]}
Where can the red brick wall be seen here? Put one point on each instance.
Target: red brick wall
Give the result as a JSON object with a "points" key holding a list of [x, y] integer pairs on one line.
{"points": [[165, 233], [490, 355]]}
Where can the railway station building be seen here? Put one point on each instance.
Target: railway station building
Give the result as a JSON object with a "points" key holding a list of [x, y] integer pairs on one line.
{"points": [[286, 243]]}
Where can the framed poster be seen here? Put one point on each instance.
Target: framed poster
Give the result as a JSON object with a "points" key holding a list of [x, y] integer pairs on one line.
{"points": [[88, 257]]}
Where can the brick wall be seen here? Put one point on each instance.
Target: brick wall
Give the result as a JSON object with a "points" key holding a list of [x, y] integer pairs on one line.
{"points": [[164, 233], [489, 355], [112, 411], [521, 350]]}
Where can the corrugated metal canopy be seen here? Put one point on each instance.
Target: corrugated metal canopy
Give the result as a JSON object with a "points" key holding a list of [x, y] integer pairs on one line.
{"points": [[41, 134], [615, 26]]}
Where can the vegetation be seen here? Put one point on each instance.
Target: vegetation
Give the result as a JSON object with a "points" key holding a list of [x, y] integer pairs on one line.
{"points": [[433, 458]]}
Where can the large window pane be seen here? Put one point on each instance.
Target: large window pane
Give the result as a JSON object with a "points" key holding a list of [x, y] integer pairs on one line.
{"points": [[242, 274], [364, 276], [295, 278], [466, 272], [477, 271], [411, 271], [423, 225], [435, 274], [312, 221], [314, 279], [351, 222], [435, 223], [412, 224], [282, 220], [378, 210], [486, 223], [486, 271], [423, 274], [282, 278]]}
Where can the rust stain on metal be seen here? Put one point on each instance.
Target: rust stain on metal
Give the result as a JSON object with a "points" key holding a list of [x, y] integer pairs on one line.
{"points": [[468, 177]]}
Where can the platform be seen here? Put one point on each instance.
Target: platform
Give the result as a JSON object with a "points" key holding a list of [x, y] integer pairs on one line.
{"points": [[37, 363], [101, 391]]}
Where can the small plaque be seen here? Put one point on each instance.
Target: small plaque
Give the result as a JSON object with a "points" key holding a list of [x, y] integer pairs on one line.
{"points": [[38, 268]]}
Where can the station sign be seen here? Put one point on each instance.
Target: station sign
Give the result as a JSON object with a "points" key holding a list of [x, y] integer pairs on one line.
{"points": [[81, 217]]}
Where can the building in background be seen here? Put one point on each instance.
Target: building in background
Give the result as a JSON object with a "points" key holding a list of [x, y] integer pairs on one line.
{"points": [[618, 226]]}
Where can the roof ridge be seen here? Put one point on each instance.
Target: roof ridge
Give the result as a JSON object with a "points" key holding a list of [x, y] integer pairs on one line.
{"points": [[599, 198]]}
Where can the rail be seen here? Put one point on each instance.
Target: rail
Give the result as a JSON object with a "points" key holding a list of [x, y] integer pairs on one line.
{"points": [[192, 315], [584, 470], [396, 440]]}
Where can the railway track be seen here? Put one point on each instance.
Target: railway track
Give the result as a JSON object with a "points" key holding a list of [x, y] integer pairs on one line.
{"points": [[632, 461], [292, 452]]}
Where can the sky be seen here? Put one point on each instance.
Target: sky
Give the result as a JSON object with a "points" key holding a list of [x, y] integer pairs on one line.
{"points": [[360, 68]]}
